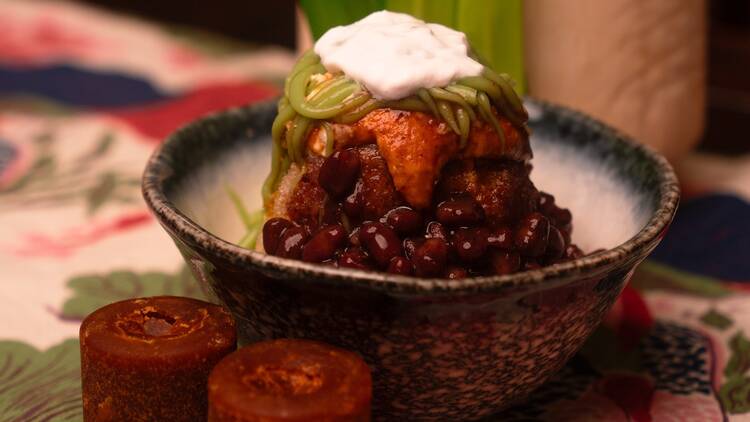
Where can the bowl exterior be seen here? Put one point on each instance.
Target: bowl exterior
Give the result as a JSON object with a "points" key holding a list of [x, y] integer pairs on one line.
{"points": [[434, 356]]}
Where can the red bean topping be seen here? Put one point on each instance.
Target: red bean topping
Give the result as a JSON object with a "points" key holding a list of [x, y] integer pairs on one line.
{"points": [[324, 243], [556, 245], [331, 213], [505, 262], [272, 231], [501, 238], [532, 234], [436, 230], [404, 220], [469, 244], [291, 243], [455, 273], [353, 204], [354, 236], [573, 252], [380, 241], [531, 265], [400, 265], [561, 216], [463, 211], [339, 172], [411, 245], [430, 258], [355, 257], [546, 203]]}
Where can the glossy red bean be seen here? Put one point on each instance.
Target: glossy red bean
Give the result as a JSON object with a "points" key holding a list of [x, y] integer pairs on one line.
{"points": [[331, 213], [353, 204], [504, 262], [469, 244], [339, 172], [573, 252], [272, 231], [354, 237], [354, 257], [561, 216], [546, 203], [531, 265], [532, 234], [462, 211], [556, 245], [501, 238], [324, 243], [404, 220], [456, 273], [400, 265], [430, 258], [410, 245], [380, 241], [436, 230], [291, 243]]}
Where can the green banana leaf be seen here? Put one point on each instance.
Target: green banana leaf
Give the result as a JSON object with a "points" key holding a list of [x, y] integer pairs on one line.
{"points": [[494, 27]]}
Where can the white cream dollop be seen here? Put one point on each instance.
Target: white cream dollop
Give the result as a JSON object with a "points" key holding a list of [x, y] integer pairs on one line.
{"points": [[395, 54]]}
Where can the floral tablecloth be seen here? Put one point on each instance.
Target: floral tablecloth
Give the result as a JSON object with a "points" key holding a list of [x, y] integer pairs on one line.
{"points": [[85, 96]]}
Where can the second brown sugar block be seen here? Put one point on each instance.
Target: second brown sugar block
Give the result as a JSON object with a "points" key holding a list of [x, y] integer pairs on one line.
{"points": [[290, 380], [149, 359]]}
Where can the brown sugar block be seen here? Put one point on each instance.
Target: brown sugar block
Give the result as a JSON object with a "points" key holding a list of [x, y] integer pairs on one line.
{"points": [[290, 380], [149, 359]]}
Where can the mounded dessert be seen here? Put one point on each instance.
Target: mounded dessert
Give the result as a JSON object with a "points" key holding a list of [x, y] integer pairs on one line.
{"points": [[395, 149]]}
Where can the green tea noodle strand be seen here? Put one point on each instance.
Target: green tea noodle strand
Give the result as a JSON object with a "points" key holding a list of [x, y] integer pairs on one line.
{"points": [[446, 112], [359, 112], [482, 84], [468, 94], [299, 135], [409, 104], [339, 95], [328, 130], [517, 112], [269, 186], [464, 125], [486, 110], [425, 96], [323, 88], [515, 101], [441, 94]]}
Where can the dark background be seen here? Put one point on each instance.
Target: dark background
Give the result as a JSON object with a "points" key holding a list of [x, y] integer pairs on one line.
{"points": [[272, 22]]}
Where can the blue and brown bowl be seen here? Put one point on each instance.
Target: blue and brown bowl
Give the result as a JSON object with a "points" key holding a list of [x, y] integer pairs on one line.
{"points": [[439, 349]]}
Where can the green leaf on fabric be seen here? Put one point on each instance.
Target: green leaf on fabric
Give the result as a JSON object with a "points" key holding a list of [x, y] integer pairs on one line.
{"points": [[91, 292], [735, 395], [654, 276], [40, 385], [739, 362], [101, 192], [716, 319]]}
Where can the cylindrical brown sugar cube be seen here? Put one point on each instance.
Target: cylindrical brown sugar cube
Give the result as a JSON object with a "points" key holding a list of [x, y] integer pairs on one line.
{"points": [[290, 380], [149, 359]]}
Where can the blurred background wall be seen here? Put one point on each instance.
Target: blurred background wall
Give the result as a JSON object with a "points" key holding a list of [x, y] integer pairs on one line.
{"points": [[727, 56]]}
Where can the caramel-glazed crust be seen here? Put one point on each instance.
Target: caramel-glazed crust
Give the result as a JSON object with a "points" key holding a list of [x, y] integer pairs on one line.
{"points": [[149, 359]]}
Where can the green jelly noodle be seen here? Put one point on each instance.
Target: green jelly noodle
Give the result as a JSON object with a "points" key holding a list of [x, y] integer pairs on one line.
{"points": [[313, 98]]}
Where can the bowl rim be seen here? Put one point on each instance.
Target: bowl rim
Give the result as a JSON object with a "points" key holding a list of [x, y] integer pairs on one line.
{"points": [[626, 255]]}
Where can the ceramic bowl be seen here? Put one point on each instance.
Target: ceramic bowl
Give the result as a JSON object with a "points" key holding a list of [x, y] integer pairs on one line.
{"points": [[439, 349]]}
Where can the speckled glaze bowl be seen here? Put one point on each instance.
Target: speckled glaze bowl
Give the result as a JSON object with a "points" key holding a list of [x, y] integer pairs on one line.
{"points": [[439, 349]]}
